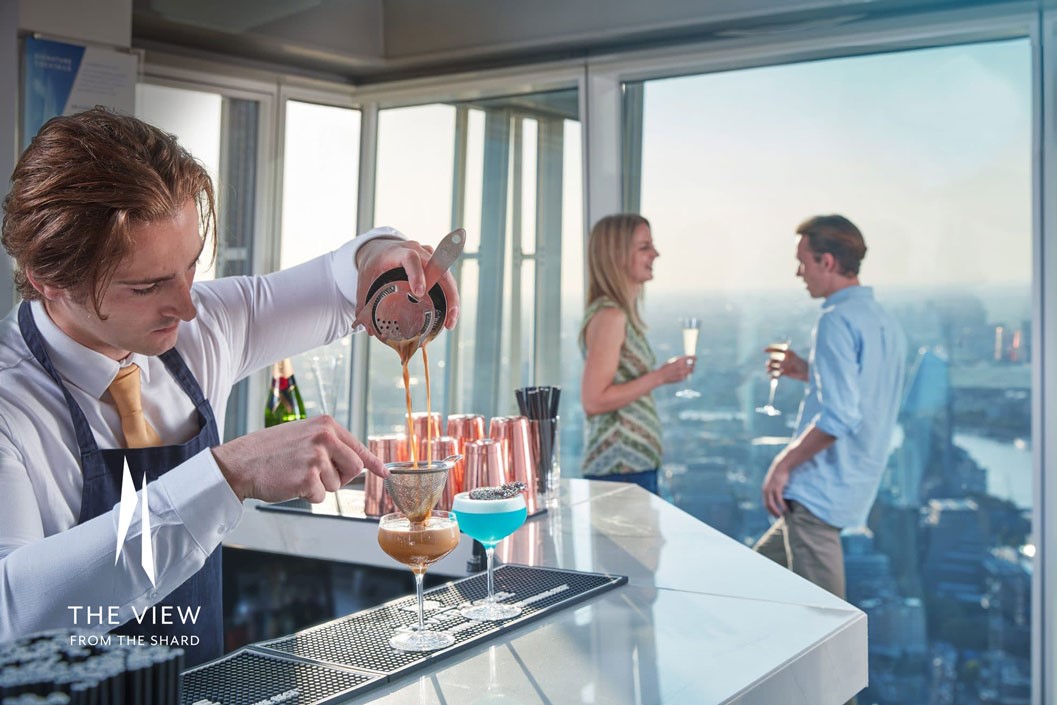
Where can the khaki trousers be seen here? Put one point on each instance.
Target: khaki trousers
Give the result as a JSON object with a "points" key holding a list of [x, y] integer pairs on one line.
{"points": [[808, 546]]}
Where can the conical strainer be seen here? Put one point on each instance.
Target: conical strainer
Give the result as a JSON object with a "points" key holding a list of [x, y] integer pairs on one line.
{"points": [[415, 490]]}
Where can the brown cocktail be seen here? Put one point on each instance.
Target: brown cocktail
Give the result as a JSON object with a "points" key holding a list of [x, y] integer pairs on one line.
{"points": [[418, 545]]}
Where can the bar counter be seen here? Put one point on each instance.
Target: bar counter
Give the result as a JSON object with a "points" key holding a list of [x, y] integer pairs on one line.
{"points": [[701, 620]]}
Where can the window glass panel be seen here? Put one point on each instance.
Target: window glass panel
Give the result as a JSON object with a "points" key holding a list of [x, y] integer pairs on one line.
{"points": [[929, 153], [415, 161], [423, 141], [195, 118], [529, 135], [320, 182], [413, 194], [321, 161], [572, 301]]}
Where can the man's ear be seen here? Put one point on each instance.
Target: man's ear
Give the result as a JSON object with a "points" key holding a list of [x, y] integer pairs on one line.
{"points": [[49, 293], [829, 262]]}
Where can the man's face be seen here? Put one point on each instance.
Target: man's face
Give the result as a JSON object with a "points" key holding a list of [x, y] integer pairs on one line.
{"points": [[642, 255], [812, 269], [148, 296]]}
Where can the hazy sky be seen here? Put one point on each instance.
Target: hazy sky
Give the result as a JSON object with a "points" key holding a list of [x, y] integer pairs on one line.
{"points": [[928, 152]]}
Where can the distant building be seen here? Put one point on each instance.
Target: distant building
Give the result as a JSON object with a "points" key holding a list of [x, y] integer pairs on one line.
{"points": [[955, 548]]}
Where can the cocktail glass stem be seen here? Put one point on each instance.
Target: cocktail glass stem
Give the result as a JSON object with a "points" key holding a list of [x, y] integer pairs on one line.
{"points": [[774, 385], [489, 553], [418, 593]]}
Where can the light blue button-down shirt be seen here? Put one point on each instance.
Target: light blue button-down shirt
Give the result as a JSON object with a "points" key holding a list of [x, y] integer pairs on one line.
{"points": [[855, 384]]}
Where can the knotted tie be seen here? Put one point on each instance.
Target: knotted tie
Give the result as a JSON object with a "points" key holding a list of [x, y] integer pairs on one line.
{"points": [[125, 392]]}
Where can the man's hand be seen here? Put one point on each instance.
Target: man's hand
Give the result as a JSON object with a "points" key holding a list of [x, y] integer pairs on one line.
{"points": [[301, 459], [774, 487], [792, 365], [378, 256]]}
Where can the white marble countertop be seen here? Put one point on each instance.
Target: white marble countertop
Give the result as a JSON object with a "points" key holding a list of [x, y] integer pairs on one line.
{"points": [[702, 619]]}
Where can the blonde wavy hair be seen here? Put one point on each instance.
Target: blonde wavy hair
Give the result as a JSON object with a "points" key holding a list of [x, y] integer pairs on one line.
{"points": [[609, 250]]}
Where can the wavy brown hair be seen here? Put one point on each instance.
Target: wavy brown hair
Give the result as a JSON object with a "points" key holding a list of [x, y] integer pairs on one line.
{"points": [[839, 237], [81, 187], [609, 250]]}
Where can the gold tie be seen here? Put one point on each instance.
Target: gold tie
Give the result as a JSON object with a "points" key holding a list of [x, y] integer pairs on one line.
{"points": [[124, 390]]}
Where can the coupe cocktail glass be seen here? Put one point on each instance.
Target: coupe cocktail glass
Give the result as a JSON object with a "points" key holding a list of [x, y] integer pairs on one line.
{"points": [[489, 521], [418, 545]]}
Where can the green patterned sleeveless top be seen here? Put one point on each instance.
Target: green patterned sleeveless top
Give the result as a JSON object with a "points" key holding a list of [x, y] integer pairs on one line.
{"points": [[629, 439]]}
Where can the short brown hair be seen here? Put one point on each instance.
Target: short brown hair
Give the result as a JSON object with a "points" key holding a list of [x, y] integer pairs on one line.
{"points": [[839, 237], [81, 186], [609, 250]]}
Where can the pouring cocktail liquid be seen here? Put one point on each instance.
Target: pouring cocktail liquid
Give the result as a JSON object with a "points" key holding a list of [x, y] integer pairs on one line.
{"points": [[417, 536], [407, 323]]}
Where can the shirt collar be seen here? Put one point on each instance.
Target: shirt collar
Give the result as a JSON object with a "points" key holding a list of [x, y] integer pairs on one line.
{"points": [[82, 367], [854, 291]]}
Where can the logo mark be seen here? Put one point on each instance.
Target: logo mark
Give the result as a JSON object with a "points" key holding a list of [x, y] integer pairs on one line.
{"points": [[128, 508]]}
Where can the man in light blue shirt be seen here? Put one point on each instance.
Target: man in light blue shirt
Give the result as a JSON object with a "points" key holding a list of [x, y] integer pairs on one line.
{"points": [[826, 479]]}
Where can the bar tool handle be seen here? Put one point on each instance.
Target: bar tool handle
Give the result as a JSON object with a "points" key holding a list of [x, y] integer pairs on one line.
{"points": [[444, 256]]}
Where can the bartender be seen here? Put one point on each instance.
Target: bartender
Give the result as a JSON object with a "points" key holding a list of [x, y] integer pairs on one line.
{"points": [[115, 359]]}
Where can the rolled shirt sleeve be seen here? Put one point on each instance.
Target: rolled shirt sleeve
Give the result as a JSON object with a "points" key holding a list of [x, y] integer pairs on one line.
{"points": [[835, 370]]}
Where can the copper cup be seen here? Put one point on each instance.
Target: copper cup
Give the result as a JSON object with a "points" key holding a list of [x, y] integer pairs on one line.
{"points": [[521, 452], [389, 448], [485, 464], [425, 425], [439, 449], [466, 427]]}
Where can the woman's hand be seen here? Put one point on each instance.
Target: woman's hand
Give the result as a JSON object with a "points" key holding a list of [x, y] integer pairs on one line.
{"points": [[676, 369]]}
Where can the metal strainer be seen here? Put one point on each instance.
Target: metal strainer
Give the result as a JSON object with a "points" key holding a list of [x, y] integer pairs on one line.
{"points": [[415, 490], [394, 315]]}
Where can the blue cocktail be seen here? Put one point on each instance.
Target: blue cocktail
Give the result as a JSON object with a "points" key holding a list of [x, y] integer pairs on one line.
{"points": [[489, 521]]}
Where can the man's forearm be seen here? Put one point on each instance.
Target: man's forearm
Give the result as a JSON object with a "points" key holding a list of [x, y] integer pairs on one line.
{"points": [[807, 445]]}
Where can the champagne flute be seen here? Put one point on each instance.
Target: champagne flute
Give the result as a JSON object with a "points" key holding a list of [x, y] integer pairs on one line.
{"points": [[490, 521], [691, 328], [417, 545], [777, 352]]}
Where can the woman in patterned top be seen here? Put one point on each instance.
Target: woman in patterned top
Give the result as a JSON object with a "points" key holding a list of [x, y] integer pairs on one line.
{"points": [[623, 430]]}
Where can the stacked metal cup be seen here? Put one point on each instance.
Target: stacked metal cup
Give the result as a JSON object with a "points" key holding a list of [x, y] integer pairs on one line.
{"points": [[439, 448], [463, 428], [426, 425], [389, 448], [516, 434], [485, 464]]}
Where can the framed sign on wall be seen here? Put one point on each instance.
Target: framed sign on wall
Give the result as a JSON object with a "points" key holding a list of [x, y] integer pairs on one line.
{"points": [[60, 78]]}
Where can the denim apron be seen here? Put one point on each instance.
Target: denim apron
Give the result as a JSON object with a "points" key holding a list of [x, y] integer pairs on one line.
{"points": [[102, 470]]}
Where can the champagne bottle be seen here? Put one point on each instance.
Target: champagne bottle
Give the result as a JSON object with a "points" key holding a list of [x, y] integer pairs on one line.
{"points": [[284, 402]]}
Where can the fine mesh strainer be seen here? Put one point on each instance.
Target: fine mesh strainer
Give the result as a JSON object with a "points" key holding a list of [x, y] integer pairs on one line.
{"points": [[415, 490]]}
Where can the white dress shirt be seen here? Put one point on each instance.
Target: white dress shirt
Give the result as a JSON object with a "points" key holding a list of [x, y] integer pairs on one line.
{"points": [[48, 563]]}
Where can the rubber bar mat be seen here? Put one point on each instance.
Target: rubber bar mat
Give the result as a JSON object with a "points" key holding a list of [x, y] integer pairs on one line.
{"points": [[248, 677], [361, 640], [352, 654]]}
